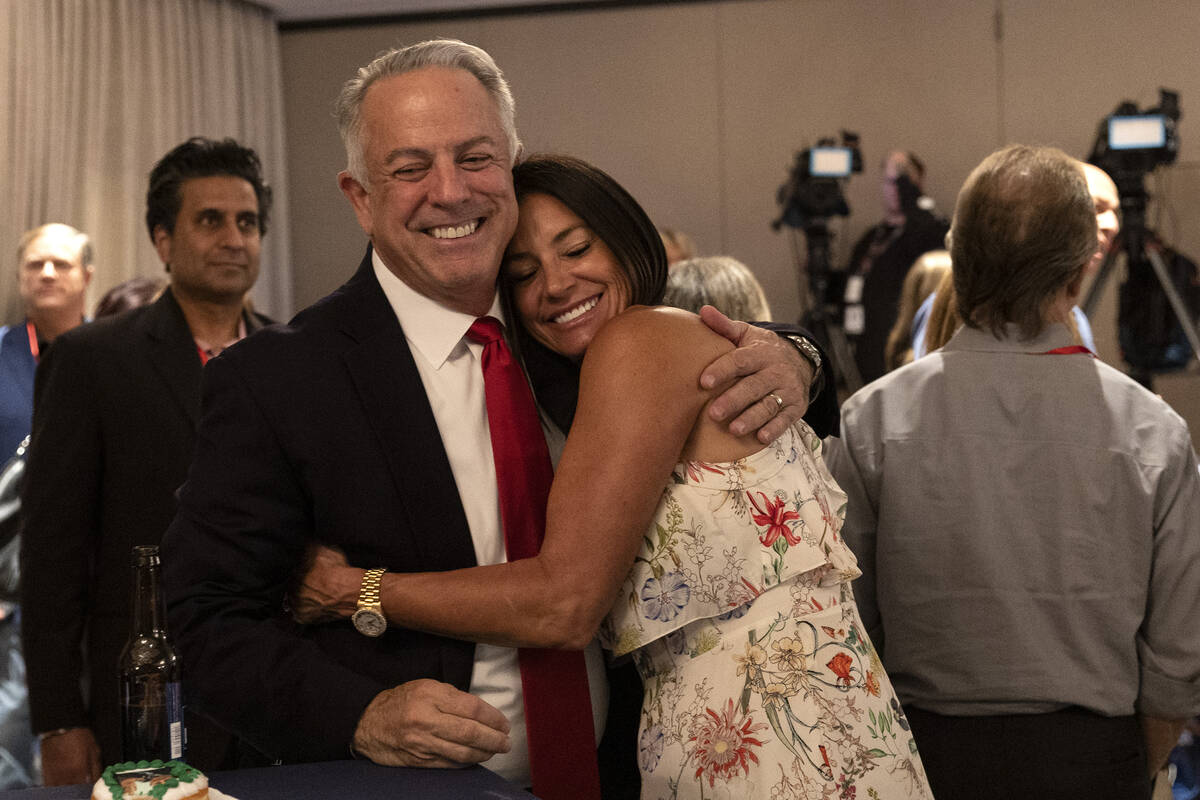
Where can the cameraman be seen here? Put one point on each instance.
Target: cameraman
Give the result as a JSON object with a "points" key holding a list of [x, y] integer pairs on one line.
{"points": [[882, 257]]}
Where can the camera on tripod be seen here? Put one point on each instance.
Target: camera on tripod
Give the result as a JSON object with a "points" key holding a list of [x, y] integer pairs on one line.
{"points": [[813, 194], [1130, 143], [1159, 303], [813, 191]]}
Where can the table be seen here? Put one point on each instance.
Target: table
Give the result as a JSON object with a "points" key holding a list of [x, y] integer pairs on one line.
{"points": [[361, 780]]}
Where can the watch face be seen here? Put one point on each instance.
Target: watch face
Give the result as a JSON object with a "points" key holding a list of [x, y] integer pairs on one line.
{"points": [[369, 622]]}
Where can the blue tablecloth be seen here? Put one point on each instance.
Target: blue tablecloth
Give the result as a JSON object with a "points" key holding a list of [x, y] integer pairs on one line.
{"points": [[361, 780]]}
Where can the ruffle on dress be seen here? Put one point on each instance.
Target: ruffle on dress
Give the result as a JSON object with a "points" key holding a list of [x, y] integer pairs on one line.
{"points": [[725, 533]]}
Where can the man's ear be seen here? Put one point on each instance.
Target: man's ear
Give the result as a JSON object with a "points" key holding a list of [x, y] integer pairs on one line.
{"points": [[162, 245], [88, 272], [359, 199]]}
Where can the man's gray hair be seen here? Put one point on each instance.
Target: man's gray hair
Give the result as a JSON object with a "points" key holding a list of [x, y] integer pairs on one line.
{"points": [[86, 253], [434, 53], [719, 281]]}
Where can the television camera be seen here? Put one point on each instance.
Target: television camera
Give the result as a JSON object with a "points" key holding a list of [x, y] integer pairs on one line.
{"points": [[811, 195], [1156, 327]]}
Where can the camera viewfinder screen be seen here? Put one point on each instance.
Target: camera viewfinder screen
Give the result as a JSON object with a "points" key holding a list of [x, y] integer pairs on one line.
{"points": [[1141, 132], [829, 162]]}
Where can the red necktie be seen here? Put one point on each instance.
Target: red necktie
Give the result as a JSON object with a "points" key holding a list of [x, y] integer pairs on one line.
{"points": [[558, 706]]}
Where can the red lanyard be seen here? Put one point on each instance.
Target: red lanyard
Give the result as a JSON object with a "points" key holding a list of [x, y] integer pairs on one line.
{"points": [[33, 345], [1070, 350]]}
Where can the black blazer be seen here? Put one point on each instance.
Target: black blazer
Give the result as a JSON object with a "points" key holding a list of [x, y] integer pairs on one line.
{"points": [[116, 404], [315, 430]]}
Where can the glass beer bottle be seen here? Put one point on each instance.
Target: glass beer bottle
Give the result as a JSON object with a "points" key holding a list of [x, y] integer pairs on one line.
{"points": [[151, 702]]}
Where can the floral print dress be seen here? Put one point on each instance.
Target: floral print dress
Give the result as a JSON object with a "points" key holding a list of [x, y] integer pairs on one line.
{"points": [[760, 681]]}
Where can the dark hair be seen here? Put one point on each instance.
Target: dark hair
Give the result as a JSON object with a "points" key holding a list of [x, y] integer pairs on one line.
{"points": [[129, 294], [614, 216], [606, 208], [1024, 228], [201, 158]]}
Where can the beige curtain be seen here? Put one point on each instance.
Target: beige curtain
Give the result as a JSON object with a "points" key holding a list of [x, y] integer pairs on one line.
{"points": [[96, 91]]}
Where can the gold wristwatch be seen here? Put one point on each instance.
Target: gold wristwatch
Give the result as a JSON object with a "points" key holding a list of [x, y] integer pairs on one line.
{"points": [[368, 619]]}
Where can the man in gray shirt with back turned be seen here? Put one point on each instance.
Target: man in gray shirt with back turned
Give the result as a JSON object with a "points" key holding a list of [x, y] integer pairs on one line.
{"points": [[1027, 519]]}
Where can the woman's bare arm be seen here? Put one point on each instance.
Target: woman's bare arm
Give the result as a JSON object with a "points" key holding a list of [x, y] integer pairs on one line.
{"points": [[639, 402]]}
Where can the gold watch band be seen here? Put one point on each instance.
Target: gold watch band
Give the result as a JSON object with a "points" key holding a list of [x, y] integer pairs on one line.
{"points": [[368, 594]]}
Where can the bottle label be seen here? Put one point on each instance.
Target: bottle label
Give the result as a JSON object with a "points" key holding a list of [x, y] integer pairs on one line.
{"points": [[175, 718], [151, 718]]}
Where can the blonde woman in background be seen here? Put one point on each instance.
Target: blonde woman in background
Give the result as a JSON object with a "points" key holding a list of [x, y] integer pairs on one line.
{"points": [[922, 280]]}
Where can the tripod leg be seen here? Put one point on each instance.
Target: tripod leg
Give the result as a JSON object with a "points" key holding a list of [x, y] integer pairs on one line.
{"points": [[1177, 304], [845, 359]]}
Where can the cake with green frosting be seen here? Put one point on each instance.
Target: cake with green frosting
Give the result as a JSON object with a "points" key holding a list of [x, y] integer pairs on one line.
{"points": [[151, 780]]}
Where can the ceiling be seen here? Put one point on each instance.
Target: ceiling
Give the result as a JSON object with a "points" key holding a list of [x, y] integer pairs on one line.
{"points": [[309, 11]]}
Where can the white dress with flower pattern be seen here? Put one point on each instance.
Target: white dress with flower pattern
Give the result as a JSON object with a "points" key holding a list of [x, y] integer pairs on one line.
{"points": [[759, 679]]}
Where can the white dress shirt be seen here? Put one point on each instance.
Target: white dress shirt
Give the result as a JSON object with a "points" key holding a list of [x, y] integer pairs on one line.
{"points": [[449, 365]]}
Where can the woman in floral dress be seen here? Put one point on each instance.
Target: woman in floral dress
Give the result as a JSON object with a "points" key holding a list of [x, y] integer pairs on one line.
{"points": [[731, 582], [759, 679]]}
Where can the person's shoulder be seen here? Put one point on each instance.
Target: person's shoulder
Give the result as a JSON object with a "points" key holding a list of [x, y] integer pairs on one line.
{"points": [[104, 332], [264, 346], [7, 332], [6, 342], [313, 331], [659, 334], [893, 389], [1134, 402], [666, 348]]}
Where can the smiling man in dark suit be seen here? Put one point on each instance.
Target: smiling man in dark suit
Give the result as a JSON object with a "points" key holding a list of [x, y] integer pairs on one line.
{"points": [[362, 424], [116, 407]]}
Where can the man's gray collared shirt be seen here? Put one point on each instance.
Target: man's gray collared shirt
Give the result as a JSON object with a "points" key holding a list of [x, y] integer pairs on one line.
{"points": [[1028, 526]]}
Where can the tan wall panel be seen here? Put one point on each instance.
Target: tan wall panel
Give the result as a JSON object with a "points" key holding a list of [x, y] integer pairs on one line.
{"points": [[794, 72], [616, 89]]}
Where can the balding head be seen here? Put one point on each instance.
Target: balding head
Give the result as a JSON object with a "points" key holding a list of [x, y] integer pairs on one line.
{"points": [[1024, 230], [55, 266], [1106, 202]]}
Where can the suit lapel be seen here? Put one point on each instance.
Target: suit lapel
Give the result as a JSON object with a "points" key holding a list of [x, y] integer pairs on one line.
{"points": [[384, 374], [172, 352]]}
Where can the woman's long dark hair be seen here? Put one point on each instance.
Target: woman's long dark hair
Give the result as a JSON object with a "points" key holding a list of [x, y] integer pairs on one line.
{"points": [[614, 216]]}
